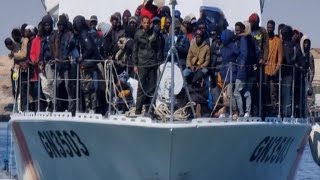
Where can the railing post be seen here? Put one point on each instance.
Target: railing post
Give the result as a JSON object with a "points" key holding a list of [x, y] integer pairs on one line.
{"points": [[28, 90], [279, 92], [77, 89], [260, 90], [229, 90], [55, 87], [39, 84], [110, 88], [302, 89], [293, 91]]}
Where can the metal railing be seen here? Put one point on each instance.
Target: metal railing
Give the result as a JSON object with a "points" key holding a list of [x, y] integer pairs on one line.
{"points": [[284, 80]]}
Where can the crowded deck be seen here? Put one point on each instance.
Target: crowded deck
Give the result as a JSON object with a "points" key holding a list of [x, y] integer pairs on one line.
{"points": [[96, 67]]}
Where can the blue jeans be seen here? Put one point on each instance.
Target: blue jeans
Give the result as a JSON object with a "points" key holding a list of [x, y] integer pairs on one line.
{"points": [[241, 87]]}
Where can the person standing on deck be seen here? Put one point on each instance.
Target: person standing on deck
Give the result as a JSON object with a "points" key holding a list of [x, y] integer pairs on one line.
{"points": [[47, 57], [241, 85], [20, 58], [33, 59], [289, 59], [146, 57], [261, 40], [13, 47], [65, 37], [305, 65], [88, 68], [273, 66]]}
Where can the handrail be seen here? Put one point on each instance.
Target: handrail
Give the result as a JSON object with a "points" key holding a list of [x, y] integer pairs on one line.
{"points": [[233, 66]]}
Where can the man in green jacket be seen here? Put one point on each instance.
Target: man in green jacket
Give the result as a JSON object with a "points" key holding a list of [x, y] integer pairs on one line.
{"points": [[147, 54]]}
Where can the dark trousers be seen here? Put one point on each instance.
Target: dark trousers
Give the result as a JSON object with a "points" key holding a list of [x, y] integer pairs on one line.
{"points": [[272, 93], [66, 85], [286, 94], [23, 90], [147, 84]]}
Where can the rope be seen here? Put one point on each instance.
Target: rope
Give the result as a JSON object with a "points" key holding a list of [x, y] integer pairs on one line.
{"points": [[223, 88], [164, 113]]}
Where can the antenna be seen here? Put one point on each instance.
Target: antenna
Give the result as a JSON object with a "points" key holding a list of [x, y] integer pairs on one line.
{"points": [[262, 2], [174, 54]]}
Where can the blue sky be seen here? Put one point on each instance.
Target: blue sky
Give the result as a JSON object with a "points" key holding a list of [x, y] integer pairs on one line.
{"points": [[301, 14]]}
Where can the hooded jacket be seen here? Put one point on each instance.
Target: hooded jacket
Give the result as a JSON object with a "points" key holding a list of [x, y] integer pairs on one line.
{"points": [[307, 61], [289, 52], [229, 54], [242, 59], [85, 43]]}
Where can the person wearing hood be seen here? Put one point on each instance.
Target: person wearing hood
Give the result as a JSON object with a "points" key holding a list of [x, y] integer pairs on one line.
{"points": [[310, 71], [241, 84], [47, 58], [288, 60], [133, 21], [124, 99], [187, 25], [305, 74], [125, 18], [229, 54], [273, 65], [88, 69], [124, 55], [65, 46], [93, 23], [114, 35]]}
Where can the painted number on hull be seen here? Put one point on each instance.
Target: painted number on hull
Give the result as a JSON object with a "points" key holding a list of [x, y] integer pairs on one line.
{"points": [[272, 150], [63, 144]]}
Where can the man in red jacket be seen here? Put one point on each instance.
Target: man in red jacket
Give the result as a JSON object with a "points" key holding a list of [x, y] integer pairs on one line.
{"points": [[149, 9]]}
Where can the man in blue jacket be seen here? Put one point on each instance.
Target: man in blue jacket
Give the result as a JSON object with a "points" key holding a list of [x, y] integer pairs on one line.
{"points": [[229, 54], [241, 78]]}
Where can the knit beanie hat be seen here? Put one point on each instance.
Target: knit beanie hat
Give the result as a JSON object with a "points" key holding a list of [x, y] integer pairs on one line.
{"points": [[254, 18], [47, 20], [63, 21]]}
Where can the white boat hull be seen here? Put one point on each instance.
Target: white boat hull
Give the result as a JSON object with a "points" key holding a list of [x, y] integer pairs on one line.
{"points": [[119, 148]]}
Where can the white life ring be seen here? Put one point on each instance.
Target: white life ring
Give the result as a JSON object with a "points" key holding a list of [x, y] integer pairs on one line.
{"points": [[314, 143]]}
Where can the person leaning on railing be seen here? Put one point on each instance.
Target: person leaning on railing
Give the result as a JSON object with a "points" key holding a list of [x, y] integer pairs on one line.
{"points": [[289, 58], [88, 67], [20, 57], [273, 65]]}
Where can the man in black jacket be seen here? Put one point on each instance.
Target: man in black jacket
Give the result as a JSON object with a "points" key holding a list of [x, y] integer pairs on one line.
{"points": [[88, 68], [64, 40], [146, 56], [47, 57], [289, 59]]}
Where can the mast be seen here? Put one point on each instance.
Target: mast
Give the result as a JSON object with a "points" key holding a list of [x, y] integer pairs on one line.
{"points": [[173, 4]]}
